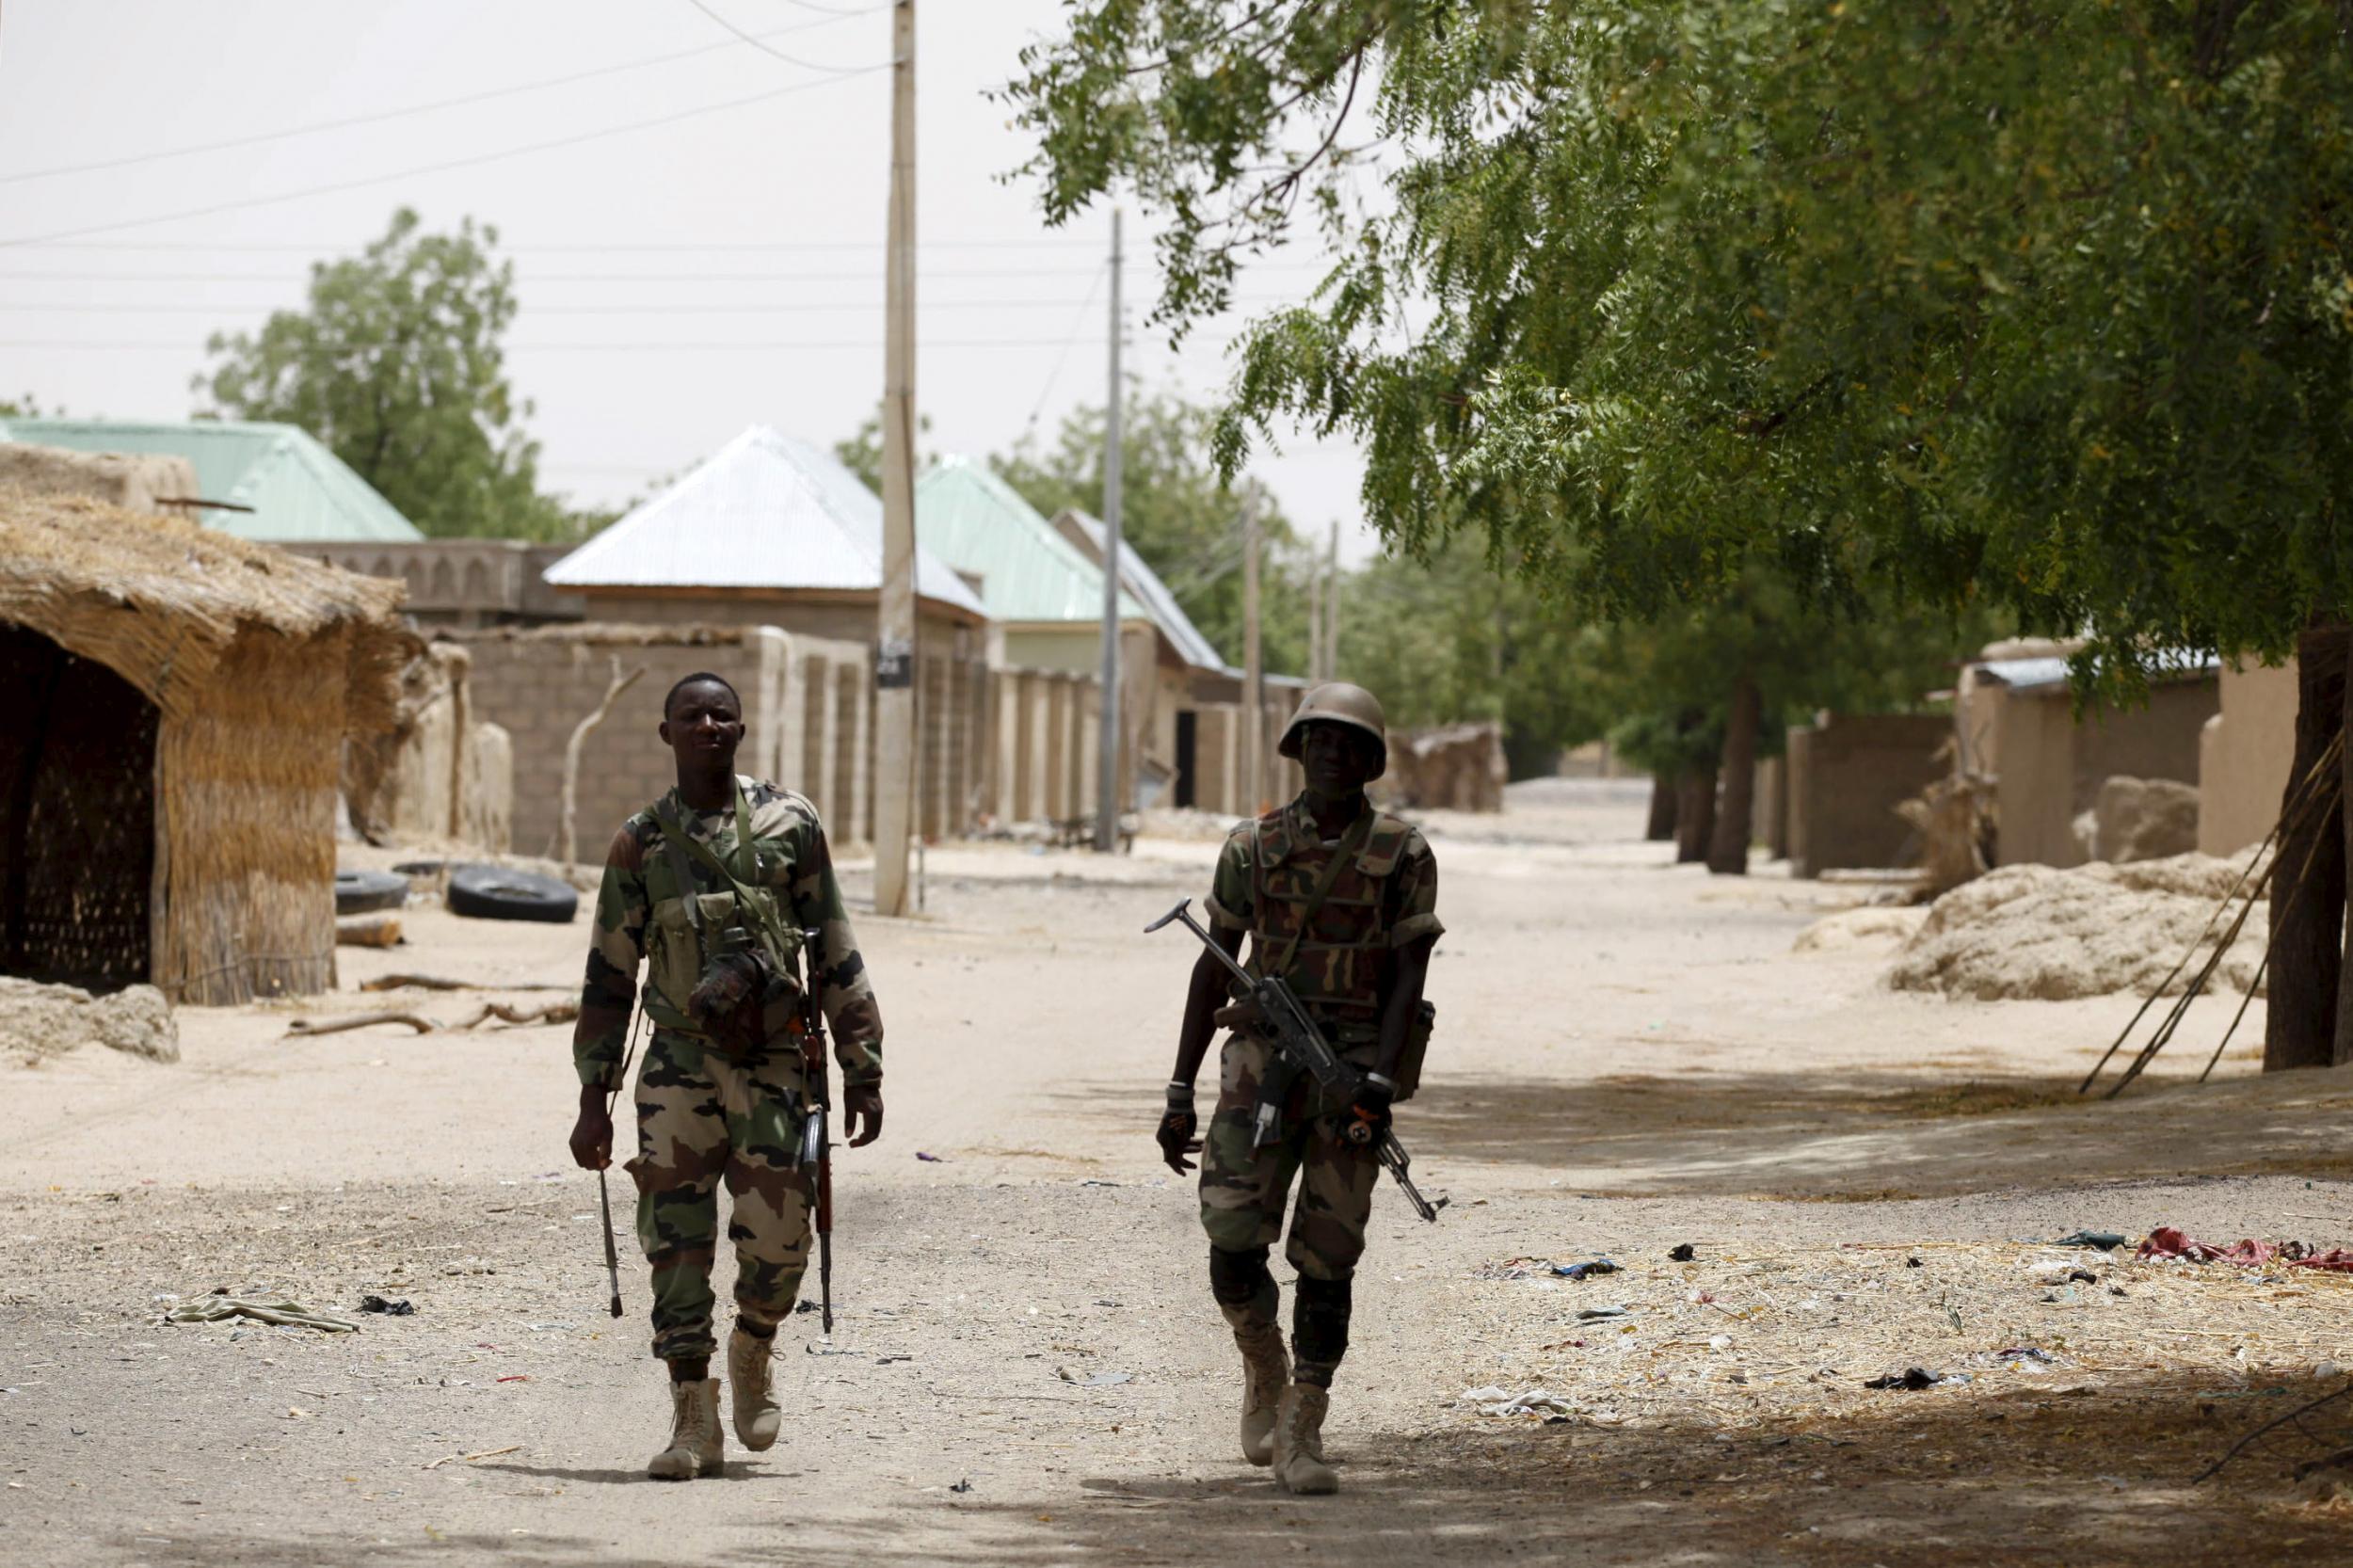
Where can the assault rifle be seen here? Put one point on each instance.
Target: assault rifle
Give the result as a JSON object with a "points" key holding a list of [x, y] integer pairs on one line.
{"points": [[1303, 1045], [816, 1144]]}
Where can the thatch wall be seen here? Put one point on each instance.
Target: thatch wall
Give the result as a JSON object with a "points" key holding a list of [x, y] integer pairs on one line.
{"points": [[259, 664]]}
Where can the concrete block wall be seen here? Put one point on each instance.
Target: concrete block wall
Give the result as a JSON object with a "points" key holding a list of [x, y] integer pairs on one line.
{"points": [[537, 685], [1846, 775]]}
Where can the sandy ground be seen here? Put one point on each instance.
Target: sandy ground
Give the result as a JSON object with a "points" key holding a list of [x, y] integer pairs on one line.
{"points": [[1028, 1369]]}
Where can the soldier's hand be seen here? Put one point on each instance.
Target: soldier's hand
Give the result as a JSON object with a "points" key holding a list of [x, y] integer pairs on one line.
{"points": [[592, 1134], [1367, 1117], [1176, 1140], [861, 1109]]}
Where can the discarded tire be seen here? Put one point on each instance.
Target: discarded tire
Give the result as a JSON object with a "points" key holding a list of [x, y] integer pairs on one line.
{"points": [[361, 892], [495, 893]]}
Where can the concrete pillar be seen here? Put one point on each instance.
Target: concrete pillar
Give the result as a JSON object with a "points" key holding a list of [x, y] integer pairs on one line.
{"points": [[827, 784], [861, 684]]}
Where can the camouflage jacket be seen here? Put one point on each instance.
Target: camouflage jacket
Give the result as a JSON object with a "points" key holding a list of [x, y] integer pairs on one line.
{"points": [[641, 896], [1386, 897]]}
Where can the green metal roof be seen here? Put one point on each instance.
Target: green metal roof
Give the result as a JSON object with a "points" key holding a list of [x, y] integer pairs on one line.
{"points": [[978, 524], [300, 492]]}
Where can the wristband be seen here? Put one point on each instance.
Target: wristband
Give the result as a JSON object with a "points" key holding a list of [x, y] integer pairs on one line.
{"points": [[1179, 1092]]}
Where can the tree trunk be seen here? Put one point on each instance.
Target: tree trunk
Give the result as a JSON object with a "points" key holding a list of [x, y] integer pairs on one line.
{"points": [[1695, 813], [2341, 818], [1663, 809], [2300, 1021], [1728, 846]]}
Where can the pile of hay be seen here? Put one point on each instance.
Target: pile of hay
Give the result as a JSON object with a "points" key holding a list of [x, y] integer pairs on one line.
{"points": [[2033, 933], [39, 1021]]}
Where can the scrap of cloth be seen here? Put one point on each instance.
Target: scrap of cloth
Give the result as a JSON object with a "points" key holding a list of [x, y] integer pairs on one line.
{"points": [[2166, 1242], [263, 1309]]}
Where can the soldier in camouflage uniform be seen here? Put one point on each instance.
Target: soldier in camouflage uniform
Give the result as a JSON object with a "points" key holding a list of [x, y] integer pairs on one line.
{"points": [[1341, 900], [721, 1095]]}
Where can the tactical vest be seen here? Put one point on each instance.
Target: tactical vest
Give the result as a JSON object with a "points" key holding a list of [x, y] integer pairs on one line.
{"points": [[1337, 966], [695, 909]]}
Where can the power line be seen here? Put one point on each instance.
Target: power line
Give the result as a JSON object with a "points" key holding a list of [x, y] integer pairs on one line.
{"points": [[382, 115], [728, 347], [596, 247], [282, 278], [445, 166], [697, 307], [1078, 325], [754, 40]]}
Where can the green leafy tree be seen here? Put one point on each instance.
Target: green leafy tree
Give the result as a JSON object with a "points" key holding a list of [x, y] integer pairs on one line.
{"points": [[1453, 637], [28, 407], [395, 364], [2047, 307]]}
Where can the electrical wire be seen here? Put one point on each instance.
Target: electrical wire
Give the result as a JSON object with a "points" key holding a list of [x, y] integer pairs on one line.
{"points": [[755, 41], [729, 347], [1076, 327], [446, 165], [598, 247], [696, 309], [382, 115]]}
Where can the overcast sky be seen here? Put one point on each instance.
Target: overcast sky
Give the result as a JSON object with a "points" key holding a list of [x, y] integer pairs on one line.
{"points": [[678, 280]]}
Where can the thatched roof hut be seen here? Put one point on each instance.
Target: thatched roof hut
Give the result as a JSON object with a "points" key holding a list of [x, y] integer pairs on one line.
{"points": [[169, 753]]}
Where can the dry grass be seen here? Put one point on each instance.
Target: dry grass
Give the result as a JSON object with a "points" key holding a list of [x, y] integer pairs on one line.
{"points": [[160, 601]]}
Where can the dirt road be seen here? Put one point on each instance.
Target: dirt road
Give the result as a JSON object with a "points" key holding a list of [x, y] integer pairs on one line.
{"points": [[1027, 1368]]}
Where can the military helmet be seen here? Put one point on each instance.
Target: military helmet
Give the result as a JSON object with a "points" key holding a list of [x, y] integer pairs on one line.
{"points": [[1337, 702]]}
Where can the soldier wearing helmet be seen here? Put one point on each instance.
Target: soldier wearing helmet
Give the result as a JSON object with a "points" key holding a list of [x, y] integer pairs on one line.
{"points": [[1340, 899]]}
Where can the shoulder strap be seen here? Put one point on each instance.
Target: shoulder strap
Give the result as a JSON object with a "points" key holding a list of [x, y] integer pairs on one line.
{"points": [[1352, 843]]}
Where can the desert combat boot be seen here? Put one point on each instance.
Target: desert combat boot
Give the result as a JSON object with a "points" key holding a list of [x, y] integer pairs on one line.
{"points": [[1299, 1462], [754, 1402], [1265, 1371], [696, 1448]]}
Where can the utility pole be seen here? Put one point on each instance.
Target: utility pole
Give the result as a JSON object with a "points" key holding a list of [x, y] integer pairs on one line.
{"points": [[1332, 606], [1107, 801], [1253, 671], [894, 649], [1315, 619]]}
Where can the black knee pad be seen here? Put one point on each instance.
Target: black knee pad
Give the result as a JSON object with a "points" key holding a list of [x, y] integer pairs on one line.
{"points": [[1319, 1313], [1239, 1279]]}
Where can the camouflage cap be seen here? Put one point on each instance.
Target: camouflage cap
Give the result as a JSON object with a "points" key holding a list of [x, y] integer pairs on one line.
{"points": [[1337, 702]]}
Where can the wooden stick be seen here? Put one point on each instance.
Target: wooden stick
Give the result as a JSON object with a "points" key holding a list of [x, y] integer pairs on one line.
{"points": [[545, 1013], [435, 983], [567, 845], [361, 1020]]}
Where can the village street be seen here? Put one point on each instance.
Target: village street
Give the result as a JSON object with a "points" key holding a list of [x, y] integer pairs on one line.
{"points": [[1027, 1368]]}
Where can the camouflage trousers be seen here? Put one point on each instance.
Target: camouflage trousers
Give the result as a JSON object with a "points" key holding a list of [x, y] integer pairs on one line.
{"points": [[702, 1118], [1245, 1190]]}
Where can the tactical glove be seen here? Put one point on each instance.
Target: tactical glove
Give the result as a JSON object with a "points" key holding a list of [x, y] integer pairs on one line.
{"points": [[725, 984], [1368, 1118]]}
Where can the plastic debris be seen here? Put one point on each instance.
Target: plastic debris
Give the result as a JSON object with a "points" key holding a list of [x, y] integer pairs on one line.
{"points": [[929, 1159], [389, 1309], [221, 1307], [964, 1485], [2165, 1243], [1588, 1270], [2106, 1240], [1495, 1400], [1587, 1315], [1682, 1253], [1911, 1377]]}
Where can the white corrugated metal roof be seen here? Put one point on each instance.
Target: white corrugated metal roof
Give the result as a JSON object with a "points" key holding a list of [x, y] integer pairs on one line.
{"points": [[764, 511], [1137, 576]]}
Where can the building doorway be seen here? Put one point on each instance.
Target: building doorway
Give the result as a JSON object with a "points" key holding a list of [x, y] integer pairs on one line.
{"points": [[1187, 723], [77, 818]]}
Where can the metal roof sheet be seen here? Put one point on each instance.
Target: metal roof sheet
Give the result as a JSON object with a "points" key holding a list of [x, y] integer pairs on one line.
{"points": [[764, 511], [1137, 576], [1027, 572], [300, 492]]}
